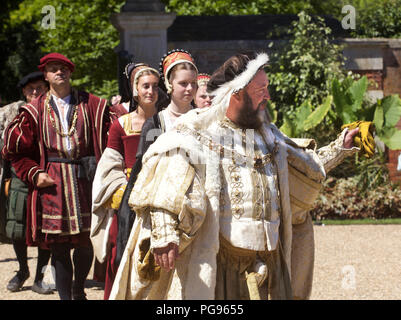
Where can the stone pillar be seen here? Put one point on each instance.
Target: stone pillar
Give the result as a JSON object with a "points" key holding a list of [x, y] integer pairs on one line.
{"points": [[365, 56], [143, 30]]}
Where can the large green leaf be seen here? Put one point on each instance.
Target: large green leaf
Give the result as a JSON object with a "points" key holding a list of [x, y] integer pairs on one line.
{"points": [[378, 118], [392, 110], [392, 138], [318, 114], [302, 113], [343, 101], [357, 91], [288, 127], [387, 115]]}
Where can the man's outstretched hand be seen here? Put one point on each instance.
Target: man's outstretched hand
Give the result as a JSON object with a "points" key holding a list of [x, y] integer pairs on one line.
{"points": [[349, 138], [165, 257]]}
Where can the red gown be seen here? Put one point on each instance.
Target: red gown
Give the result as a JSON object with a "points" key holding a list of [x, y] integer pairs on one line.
{"points": [[126, 145], [59, 213]]}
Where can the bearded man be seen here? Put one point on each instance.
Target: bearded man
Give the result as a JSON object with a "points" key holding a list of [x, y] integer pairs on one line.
{"points": [[212, 202], [53, 145]]}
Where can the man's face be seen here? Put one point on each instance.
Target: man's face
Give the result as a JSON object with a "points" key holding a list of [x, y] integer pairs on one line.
{"points": [[202, 98], [34, 89], [258, 91], [254, 100], [57, 74]]}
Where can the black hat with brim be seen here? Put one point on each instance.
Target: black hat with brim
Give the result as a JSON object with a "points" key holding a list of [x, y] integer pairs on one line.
{"points": [[33, 76]]}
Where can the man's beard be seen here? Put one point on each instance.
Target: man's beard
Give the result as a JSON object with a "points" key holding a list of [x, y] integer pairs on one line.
{"points": [[248, 118]]}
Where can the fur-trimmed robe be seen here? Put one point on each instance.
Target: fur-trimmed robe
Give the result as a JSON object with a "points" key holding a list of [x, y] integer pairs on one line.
{"points": [[187, 183]]}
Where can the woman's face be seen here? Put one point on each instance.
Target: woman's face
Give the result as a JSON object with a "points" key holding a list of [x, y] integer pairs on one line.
{"points": [[148, 89], [184, 86]]}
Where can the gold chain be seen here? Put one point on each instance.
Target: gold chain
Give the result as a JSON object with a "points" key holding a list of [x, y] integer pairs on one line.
{"points": [[53, 122], [258, 161]]}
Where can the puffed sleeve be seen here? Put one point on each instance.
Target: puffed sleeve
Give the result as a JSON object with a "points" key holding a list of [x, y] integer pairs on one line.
{"points": [[169, 189], [21, 147], [114, 140]]}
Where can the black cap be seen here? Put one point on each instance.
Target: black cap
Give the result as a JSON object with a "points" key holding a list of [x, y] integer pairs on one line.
{"points": [[33, 76]]}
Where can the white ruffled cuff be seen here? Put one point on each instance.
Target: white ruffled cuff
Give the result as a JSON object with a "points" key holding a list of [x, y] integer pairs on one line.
{"points": [[334, 153]]}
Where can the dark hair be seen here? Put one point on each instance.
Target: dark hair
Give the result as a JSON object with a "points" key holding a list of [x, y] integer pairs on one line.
{"points": [[229, 70]]}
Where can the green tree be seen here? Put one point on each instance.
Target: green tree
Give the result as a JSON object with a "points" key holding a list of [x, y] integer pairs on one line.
{"points": [[302, 69], [378, 19], [19, 51], [84, 33], [240, 7]]}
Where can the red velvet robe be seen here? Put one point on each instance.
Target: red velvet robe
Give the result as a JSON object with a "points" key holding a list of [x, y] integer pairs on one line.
{"points": [[59, 213], [117, 111]]}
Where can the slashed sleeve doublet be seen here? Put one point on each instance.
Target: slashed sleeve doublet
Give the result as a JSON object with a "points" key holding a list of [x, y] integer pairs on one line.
{"points": [[169, 189], [21, 146]]}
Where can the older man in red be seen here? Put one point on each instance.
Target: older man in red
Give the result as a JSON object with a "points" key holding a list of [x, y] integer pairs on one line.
{"points": [[49, 144]]}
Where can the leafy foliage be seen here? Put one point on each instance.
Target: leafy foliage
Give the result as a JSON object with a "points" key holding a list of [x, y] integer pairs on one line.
{"points": [[18, 50], [377, 19], [303, 68], [344, 198], [370, 173], [351, 105], [387, 115], [348, 97], [305, 119], [84, 34], [240, 7]]}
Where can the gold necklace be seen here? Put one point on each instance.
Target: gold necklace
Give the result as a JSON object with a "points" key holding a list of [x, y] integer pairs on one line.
{"points": [[53, 122], [258, 161]]}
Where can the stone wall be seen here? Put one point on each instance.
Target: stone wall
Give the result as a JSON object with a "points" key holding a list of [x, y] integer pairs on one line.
{"points": [[209, 55]]}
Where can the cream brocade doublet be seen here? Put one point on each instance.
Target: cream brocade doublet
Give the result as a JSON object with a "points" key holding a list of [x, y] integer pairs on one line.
{"points": [[188, 193], [249, 197]]}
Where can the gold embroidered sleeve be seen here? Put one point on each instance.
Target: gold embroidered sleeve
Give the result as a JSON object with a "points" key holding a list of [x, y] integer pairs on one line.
{"points": [[170, 189], [164, 228], [334, 153], [162, 183]]}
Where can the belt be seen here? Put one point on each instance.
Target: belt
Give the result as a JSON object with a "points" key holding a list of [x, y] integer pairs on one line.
{"points": [[81, 168]]}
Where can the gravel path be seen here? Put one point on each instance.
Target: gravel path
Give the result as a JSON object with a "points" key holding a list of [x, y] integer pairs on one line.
{"points": [[355, 262]]}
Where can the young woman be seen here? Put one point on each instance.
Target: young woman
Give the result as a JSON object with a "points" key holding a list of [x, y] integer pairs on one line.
{"points": [[179, 73], [115, 164], [180, 79]]}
